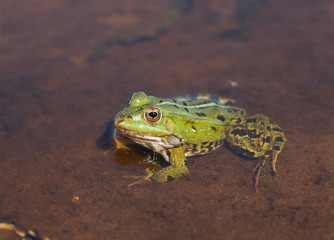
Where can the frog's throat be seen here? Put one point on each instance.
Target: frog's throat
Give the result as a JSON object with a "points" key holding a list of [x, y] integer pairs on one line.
{"points": [[156, 143]]}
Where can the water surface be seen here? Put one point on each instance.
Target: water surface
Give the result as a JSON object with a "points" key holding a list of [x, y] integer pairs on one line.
{"points": [[65, 72]]}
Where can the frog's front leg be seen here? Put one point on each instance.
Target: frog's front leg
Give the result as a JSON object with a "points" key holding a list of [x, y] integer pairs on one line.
{"points": [[178, 166], [257, 137]]}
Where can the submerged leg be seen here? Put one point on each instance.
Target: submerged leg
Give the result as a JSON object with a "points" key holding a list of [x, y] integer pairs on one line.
{"points": [[178, 166], [257, 137], [143, 179]]}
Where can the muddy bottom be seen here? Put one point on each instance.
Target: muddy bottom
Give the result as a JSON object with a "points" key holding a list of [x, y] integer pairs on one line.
{"points": [[68, 66]]}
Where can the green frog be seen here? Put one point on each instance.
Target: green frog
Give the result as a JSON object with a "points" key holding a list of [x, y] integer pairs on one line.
{"points": [[181, 127]]}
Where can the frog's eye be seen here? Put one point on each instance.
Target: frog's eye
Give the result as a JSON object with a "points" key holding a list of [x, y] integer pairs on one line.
{"points": [[152, 115]]}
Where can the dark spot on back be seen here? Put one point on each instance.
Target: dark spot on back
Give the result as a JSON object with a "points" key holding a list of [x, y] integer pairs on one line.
{"points": [[239, 132], [184, 103], [193, 128], [238, 121], [268, 128], [277, 129], [204, 143], [175, 106], [194, 148], [267, 139], [210, 146], [186, 109], [252, 134], [221, 118], [201, 114], [249, 120], [243, 152], [170, 179], [213, 128], [279, 139], [277, 148]]}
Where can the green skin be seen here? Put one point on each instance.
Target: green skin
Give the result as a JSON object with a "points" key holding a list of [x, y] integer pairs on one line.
{"points": [[196, 125]]}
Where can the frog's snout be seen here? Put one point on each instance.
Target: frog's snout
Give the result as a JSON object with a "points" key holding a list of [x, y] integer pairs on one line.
{"points": [[117, 122], [120, 119]]}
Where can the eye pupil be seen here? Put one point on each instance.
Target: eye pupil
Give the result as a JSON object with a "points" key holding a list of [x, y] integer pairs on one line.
{"points": [[153, 114]]}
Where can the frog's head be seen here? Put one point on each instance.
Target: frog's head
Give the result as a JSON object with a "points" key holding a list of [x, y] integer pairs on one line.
{"points": [[145, 123]]}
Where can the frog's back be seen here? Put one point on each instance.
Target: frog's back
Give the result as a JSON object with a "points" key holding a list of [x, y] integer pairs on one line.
{"points": [[205, 109], [204, 119], [199, 99]]}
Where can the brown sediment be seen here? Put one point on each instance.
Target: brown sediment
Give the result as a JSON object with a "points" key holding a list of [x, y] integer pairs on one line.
{"points": [[144, 30]]}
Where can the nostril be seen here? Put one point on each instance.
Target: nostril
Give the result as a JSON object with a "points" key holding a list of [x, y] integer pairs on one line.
{"points": [[129, 118]]}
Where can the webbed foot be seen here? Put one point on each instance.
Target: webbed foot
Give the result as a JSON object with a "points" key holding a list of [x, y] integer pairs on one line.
{"points": [[144, 179], [260, 170]]}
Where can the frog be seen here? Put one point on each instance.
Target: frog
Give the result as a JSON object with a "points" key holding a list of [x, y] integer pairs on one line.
{"points": [[181, 127]]}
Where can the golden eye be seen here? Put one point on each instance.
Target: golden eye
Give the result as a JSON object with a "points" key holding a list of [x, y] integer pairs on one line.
{"points": [[152, 115]]}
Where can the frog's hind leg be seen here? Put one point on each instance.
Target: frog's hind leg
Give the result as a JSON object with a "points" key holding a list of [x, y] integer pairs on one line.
{"points": [[257, 137]]}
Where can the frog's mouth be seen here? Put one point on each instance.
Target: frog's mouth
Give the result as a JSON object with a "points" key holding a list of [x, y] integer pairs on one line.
{"points": [[155, 143]]}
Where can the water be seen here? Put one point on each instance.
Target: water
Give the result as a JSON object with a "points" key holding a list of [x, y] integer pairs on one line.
{"points": [[62, 81]]}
